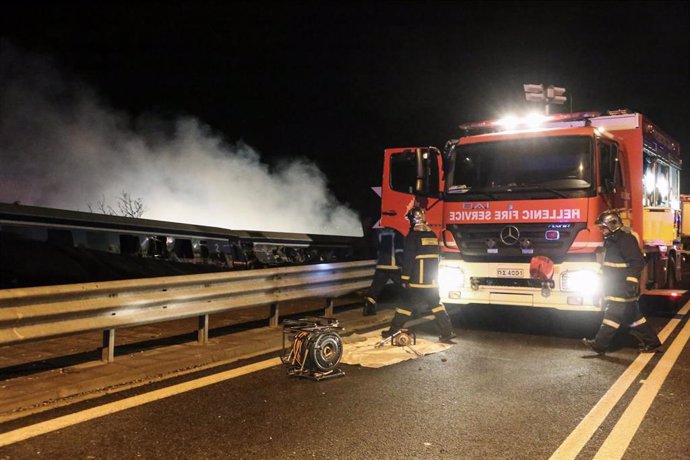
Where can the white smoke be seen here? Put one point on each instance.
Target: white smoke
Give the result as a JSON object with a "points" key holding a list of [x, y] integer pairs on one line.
{"points": [[61, 147]]}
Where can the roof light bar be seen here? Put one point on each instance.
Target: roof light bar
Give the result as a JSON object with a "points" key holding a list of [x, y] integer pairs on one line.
{"points": [[529, 121]]}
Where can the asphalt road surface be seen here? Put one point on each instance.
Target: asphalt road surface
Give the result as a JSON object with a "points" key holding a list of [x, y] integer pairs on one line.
{"points": [[517, 385]]}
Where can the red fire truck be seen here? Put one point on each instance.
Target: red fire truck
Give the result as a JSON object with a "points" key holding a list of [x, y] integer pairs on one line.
{"points": [[515, 191]]}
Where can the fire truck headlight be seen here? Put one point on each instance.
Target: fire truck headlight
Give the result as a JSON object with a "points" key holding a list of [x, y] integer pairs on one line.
{"points": [[586, 282], [450, 278]]}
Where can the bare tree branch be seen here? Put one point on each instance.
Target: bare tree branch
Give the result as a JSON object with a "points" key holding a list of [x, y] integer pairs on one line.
{"points": [[127, 206], [130, 207]]}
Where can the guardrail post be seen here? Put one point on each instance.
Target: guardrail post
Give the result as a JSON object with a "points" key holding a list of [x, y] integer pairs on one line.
{"points": [[275, 315], [329, 307], [202, 330], [108, 349]]}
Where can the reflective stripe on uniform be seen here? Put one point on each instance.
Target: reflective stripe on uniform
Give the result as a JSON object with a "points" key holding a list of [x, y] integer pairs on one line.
{"points": [[621, 299], [403, 312], [405, 277], [438, 309], [639, 322], [427, 256], [429, 242], [371, 300], [616, 265], [632, 279], [611, 323], [424, 286]]}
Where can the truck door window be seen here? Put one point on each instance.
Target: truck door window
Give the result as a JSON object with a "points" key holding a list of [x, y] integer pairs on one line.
{"points": [[662, 185], [674, 194], [403, 172], [659, 182], [648, 181], [610, 174]]}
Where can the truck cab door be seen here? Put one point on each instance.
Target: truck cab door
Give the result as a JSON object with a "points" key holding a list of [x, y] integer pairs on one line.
{"points": [[411, 177]]}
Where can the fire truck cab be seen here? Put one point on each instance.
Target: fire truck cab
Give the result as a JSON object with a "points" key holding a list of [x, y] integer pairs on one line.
{"points": [[512, 192]]}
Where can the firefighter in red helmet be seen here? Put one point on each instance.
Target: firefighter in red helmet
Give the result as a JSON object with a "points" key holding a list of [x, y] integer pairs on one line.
{"points": [[419, 278], [621, 270]]}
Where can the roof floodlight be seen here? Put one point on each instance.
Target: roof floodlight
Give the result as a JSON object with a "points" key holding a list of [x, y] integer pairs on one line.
{"points": [[552, 95], [532, 88], [555, 95]]}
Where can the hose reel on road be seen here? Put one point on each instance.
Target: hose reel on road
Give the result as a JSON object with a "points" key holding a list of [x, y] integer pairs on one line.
{"points": [[316, 347]]}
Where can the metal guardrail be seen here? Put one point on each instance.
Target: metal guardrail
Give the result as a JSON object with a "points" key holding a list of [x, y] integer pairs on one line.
{"points": [[36, 313]]}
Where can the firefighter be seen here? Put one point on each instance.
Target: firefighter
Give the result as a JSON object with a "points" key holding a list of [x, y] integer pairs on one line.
{"points": [[622, 268], [419, 278], [388, 266]]}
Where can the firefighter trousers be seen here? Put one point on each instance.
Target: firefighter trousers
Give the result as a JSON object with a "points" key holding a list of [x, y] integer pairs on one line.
{"points": [[618, 314], [419, 302], [381, 277]]}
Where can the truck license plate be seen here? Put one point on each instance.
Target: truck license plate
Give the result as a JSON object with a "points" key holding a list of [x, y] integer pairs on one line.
{"points": [[509, 272]]}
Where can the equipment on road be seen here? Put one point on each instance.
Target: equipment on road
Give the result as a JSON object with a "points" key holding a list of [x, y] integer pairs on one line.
{"points": [[316, 347], [401, 338]]}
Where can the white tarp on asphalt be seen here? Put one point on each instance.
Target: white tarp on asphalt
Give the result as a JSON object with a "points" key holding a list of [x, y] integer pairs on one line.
{"points": [[360, 349]]}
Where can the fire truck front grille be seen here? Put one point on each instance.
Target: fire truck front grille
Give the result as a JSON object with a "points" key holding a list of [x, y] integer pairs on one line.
{"points": [[514, 242]]}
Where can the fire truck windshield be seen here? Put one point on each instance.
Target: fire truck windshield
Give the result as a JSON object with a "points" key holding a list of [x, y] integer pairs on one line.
{"points": [[527, 168]]}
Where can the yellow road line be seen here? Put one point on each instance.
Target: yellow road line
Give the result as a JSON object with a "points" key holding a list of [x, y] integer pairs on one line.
{"points": [[577, 439], [620, 437], [22, 434]]}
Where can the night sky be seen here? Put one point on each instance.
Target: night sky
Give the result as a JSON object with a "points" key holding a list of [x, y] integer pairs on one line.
{"points": [[337, 82]]}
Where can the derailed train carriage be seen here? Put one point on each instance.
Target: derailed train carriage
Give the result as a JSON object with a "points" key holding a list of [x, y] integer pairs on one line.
{"points": [[41, 246]]}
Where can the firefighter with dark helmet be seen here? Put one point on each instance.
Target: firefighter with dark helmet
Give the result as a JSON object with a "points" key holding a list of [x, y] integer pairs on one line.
{"points": [[388, 266], [621, 270], [419, 277]]}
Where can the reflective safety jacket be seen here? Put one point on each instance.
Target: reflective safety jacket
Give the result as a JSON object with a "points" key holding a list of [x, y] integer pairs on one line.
{"points": [[420, 267], [622, 267], [390, 250]]}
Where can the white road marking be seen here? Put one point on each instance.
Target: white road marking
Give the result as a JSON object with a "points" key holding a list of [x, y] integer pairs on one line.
{"points": [[613, 447], [22, 434], [618, 441], [577, 439]]}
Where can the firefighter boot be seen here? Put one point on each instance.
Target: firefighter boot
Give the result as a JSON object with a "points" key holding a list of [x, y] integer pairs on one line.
{"points": [[398, 321], [603, 338], [444, 325], [591, 344], [369, 307], [649, 341]]}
